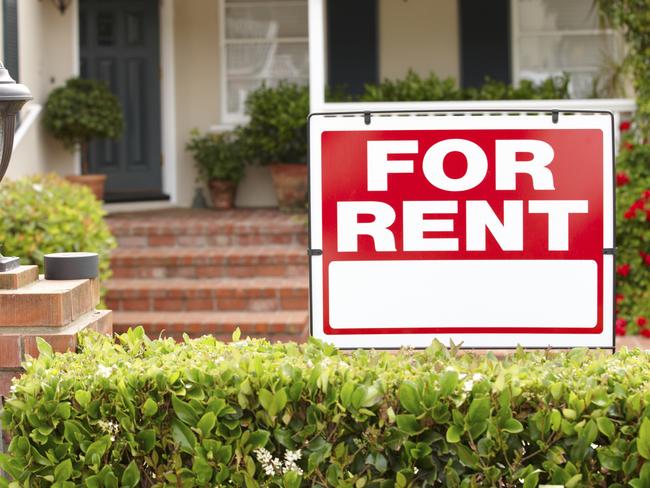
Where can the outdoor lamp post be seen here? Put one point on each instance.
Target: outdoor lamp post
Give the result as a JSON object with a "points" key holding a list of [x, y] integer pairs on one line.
{"points": [[12, 97]]}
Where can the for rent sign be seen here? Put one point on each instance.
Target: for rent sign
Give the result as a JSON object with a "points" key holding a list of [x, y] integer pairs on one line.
{"points": [[490, 230]]}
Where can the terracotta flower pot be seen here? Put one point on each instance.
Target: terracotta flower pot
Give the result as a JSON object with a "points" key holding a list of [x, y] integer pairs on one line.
{"points": [[290, 181], [94, 182], [222, 193]]}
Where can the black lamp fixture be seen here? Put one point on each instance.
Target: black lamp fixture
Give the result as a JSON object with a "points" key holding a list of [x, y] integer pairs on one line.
{"points": [[12, 97], [61, 5]]}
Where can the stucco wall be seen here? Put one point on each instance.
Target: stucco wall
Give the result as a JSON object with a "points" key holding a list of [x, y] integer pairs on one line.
{"points": [[47, 57], [418, 34]]}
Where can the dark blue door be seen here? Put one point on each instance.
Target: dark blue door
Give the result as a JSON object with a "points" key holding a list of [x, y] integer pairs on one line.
{"points": [[120, 45]]}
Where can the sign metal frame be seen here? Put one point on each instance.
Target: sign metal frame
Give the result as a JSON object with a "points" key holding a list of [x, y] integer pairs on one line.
{"points": [[376, 120]]}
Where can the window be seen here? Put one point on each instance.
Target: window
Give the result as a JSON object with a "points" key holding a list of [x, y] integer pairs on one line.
{"points": [[10, 37], [552, 37], [262, 41]]}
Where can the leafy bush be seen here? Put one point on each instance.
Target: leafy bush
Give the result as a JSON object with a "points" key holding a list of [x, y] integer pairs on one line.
{"points": [[82, 110], [414, 88], [45, 214], [633, 237], [217, 156], [204, 413], [277, 127]]}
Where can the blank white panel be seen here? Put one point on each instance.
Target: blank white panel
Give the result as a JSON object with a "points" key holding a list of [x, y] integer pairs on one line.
{"points": [[449, 293]]}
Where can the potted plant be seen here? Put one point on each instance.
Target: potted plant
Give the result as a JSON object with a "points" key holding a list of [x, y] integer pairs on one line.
{"points": [[276, 135], [219, 161], [78, 112]]}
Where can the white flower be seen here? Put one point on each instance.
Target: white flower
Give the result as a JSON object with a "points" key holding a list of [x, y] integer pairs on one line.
{"points": [[477, 377], [468, 385], [104, 371], [37, 187], [415, 470], [12, 388]]}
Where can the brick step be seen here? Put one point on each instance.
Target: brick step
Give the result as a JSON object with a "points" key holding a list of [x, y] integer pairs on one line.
{"points": [[196, 228], [47, 303], [225, 294], [275, 326], [216, 262]]}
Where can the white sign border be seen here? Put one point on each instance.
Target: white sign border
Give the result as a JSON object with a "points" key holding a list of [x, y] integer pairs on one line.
{"points": [[462, 120]]}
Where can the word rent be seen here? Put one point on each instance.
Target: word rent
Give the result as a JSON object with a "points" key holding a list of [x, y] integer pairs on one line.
{"points": [[421, 218]]}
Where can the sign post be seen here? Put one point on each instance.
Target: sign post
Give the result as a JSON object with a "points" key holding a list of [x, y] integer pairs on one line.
{"points": [[488, 229]]}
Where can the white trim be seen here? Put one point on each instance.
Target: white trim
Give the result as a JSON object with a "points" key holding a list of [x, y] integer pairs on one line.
{"points": [[223, 78], [170, 168], [514, 42], [30, 115], [317, 59], [76, 68]]}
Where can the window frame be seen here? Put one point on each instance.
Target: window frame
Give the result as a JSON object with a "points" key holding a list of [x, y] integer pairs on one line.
{"points": [[229, 118]]}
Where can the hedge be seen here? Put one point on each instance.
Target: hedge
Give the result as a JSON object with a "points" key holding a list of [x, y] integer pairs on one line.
{"points": [[137, 412]]}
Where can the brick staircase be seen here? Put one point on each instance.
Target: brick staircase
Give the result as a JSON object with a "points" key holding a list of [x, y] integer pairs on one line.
{"points": [[207, 272]]}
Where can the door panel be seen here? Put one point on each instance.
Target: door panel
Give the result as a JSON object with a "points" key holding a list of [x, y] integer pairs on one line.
{"points": [[119, 44]]}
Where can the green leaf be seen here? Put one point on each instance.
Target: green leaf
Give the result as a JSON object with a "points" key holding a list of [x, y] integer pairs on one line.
{"points": [[265, 397], [147, 439], [643, 441], [479, 410], [63, 471], [149, 408], [513, 426], [44, 348], [184, 411], [183, 435], [236, 335], [203, 471], [408, 423], [448, 381], [259, 438], [131, 475], [467, 456], [453, 434], [96, 451], [207, 422], [531, 480], [606, 426], [409, 398], [82, 397]]}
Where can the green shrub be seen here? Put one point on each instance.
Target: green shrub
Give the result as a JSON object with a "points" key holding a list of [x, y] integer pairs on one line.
{"points": [[217, 156], [204, 413], [45, 214], [414, 88], [277, 128], [82, 110]]}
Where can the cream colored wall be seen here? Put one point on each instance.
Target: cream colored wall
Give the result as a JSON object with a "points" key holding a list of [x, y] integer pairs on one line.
{"points": [[418, 34], [47, 57], [197, 81], [198, 92]]}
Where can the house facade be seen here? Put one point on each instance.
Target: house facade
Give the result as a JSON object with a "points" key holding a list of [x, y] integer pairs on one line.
{"points": [[182, 64]]}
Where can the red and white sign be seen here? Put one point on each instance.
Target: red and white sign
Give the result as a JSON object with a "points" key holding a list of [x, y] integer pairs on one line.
{"points": [[489, 230]]}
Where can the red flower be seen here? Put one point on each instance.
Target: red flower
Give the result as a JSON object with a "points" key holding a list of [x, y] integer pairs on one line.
{"points": [[628, 145], [622, 178], [619, 298], [647, 259], [623, 269], [645, 332], [624, 126], [638, 204], [630, 214], [620, 327], [641, 321]]}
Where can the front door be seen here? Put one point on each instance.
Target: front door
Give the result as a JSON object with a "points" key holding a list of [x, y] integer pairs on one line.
{"points": [[119, 44]]}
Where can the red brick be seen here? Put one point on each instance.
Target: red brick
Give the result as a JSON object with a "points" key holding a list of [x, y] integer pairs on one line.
{"points": [[200, 304], [164, 240], [294, 303], [10, 355], [231, 304], [136, 304], [168, 304]]}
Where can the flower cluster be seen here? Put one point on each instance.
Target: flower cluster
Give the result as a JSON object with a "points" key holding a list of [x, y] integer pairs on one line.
{"points": [[273, 466], [633, 234], [109, 427]]}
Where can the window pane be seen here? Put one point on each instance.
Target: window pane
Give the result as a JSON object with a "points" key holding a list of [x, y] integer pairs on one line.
{"points": [[557, 15], [266, 22], [565, 51]]}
